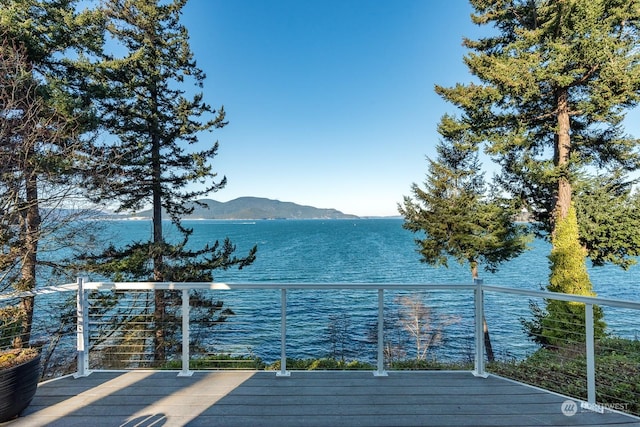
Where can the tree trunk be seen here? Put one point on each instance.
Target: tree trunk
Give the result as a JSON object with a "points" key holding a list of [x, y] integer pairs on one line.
{"points": [[159, 295], [487, 341], [159, 314], [562, 150], [158, 239], [31, 230]]}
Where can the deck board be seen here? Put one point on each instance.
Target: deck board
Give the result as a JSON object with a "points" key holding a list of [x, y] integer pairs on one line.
{"points": [[303, 399]]}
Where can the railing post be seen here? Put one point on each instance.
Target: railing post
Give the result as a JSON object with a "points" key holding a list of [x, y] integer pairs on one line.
{"points": [[82, 331], [185, 372], [591, 360], [283, 335], [380, 372], [479, 333]]}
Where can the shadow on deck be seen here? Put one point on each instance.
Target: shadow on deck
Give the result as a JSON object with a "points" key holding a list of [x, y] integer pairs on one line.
{"points": [[303, 399]]}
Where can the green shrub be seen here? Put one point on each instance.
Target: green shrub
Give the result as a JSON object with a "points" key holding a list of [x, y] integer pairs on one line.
{"points": [[428, 365], [563, 322], [323, 364], [219, 361]]}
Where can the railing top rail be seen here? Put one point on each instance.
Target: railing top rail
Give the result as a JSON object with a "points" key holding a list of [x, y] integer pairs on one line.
{"points": [[42, 291], [612, 302], [267, 285], [321, 286]]}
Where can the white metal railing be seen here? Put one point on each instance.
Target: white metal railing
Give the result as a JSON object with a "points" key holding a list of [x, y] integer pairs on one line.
{"points": [[477, 290], [589, 302], [185, 287]]}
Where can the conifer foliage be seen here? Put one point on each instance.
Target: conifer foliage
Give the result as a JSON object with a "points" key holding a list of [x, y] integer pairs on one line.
{"points": [[608, 209], [563, 322], [158, 157], [554, 79], [457, 213], [154, 160], [156, 123], [44, 116], [459, 217]]}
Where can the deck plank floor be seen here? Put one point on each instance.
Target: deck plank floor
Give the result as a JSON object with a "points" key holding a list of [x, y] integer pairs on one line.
{"points": [[303, 399]]}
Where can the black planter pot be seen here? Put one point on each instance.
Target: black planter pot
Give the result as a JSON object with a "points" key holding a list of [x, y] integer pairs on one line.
{"points": [[17, 387]]}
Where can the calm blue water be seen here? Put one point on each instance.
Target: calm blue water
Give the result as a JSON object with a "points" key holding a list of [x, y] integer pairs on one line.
{"points": [[363, 251], [367, 251]]}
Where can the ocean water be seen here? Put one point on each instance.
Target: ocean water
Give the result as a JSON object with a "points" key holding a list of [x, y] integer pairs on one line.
{"points": [[368, 251], [363, 251]]}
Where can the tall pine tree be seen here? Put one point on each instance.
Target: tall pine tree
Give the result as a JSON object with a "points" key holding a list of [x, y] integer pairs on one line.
{"points": [[153, 160], [45, 110], [459, 216], [555, 78], [456, 213]]}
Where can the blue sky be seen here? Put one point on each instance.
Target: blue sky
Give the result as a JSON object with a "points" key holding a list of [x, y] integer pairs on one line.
{"points": [[330, 102]]}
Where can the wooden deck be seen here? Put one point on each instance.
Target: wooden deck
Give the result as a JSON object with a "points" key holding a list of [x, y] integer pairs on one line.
{"points": [[303, 399]]}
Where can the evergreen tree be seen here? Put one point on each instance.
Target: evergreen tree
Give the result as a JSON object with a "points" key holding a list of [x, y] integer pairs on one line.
{"points": [[44, 113], [457, 215], [563, 322], [608, 211], [554, 81], [153, 160]]}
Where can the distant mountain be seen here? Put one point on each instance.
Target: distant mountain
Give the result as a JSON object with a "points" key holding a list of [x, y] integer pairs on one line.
{"points": [[257, 208]]}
